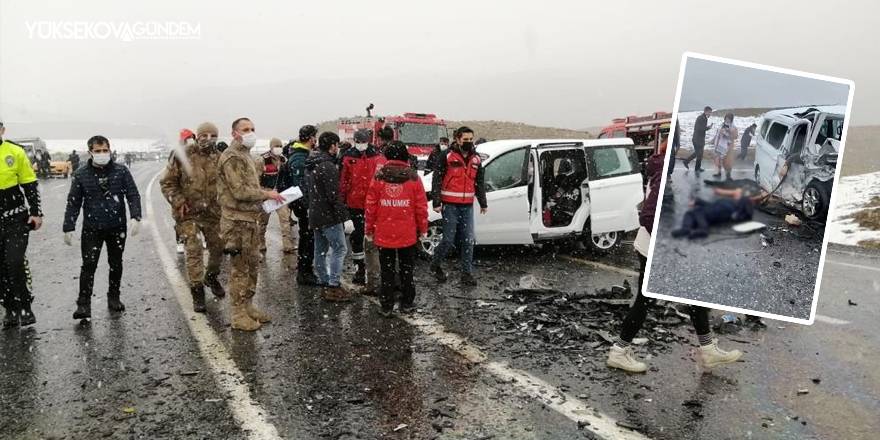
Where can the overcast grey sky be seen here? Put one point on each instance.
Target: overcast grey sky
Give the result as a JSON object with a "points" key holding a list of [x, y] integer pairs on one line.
{"points": [[285, 63], [725, 86]]}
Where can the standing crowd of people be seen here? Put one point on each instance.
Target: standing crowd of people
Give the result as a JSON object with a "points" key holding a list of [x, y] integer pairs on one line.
{"points": [[217, 202], [723, 141]]}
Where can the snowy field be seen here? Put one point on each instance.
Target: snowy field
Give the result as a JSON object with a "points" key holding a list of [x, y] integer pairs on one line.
{"points": [[687, 119], [123, 145], [853, 192], [119, 145]]}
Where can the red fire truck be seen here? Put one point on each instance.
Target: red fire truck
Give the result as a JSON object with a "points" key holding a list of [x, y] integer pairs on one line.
{"points": [[645, 131], [419, 131]]}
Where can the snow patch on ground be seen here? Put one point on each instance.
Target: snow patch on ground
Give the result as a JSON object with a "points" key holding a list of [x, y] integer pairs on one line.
{"points": [[686, 121], [853, 193]]}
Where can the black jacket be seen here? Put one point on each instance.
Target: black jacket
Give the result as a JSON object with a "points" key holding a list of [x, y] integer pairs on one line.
{"points": [[700, 127], [434, 158], [440, 172], [101, 193], [322, 180]]}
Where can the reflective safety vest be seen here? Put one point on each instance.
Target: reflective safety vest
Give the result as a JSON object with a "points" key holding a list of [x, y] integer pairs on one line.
{"points": [[15, 166], [459, 181]]}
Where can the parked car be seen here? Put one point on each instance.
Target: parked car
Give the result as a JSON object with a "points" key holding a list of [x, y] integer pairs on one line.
{"points": [[543, 190], [60, 168], [796, 156]]}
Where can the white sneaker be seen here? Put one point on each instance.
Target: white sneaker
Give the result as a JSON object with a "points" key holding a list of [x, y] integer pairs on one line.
{"points": [[625, 359], [712, 356], [180, 248]]}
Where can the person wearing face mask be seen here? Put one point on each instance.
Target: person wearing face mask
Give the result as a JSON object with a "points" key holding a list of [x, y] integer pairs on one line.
{"points": [[436, 155], [19, 214], [241, 206], [187, 139], [192, 193], [327, 214], [457, 181], [293, 174], [358, 169], [100, 189], [269, 166]]}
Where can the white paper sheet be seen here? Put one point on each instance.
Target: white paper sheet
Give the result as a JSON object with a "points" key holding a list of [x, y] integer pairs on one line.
{"points": [[289, 194]]}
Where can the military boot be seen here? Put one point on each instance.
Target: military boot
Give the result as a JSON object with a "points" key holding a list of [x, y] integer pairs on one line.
{"points": [[256, 314], [360, 275], [114, 304], [242, 321], [27, 316], [11, 318], [216, 288], [198, 296], [83, 307]]}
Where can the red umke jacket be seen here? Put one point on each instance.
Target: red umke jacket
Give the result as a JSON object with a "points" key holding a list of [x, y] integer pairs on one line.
{"points": [[397, 207], [358, 169]]}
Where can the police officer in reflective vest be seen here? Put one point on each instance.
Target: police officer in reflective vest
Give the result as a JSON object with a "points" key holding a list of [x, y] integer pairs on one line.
{"points": [[458, 179], [17, 218]]}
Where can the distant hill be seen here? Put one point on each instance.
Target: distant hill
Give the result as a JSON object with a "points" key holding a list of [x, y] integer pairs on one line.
{"points": [[501, 130]]}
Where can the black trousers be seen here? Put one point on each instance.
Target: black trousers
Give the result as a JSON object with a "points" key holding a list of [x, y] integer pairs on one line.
{"points": [[305, 262], [389, 259], [697, 154], [357, 236], [15, 292], [92, 242], [695, 221], [639, 311]]}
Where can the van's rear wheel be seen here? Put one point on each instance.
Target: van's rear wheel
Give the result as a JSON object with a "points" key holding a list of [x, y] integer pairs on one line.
{"points": [[601, 244]]}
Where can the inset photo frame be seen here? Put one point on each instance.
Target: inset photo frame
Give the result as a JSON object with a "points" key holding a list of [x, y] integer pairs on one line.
{"points": [[754, 155]]}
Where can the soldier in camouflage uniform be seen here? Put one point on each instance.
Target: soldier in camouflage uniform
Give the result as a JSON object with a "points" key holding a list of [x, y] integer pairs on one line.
{"points": [[192, 192], [241, 201]]}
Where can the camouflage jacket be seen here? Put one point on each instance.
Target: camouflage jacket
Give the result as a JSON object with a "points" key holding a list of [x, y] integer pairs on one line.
{"points": [[197, 189], [240, 195]]}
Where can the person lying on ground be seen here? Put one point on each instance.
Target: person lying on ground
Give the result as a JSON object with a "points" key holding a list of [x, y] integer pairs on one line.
{"points": [[734, 206]]}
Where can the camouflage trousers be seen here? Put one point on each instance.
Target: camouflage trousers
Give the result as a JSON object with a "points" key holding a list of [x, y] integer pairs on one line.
{"points": [[195, 257], [283, 214], [241, 241]]}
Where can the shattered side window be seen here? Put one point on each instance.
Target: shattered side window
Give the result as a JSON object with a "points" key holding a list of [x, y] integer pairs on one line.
{"points": [[613, 161], [506, 171], [776, 135]]}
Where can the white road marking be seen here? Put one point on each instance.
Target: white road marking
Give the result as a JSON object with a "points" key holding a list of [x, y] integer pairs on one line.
{"points": [[248, 413], [603, 266], [830, 320], [602, 425]]}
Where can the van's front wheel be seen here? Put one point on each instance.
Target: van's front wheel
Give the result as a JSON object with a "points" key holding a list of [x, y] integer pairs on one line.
{"points": [[815, 200]]}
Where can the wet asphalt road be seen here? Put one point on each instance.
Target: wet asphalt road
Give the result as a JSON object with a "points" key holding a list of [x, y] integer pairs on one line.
{"points": [[774, 275], [340, 371]]}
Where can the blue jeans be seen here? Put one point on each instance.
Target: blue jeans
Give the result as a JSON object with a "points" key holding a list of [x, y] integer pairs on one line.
{"points": [[330, 240], [458, 222]]}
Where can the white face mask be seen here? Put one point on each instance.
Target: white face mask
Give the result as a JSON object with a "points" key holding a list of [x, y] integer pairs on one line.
{"points": [[443, 147], [249, 139], [360, 147], [190, 142], [101, 158], [276, 151]]}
